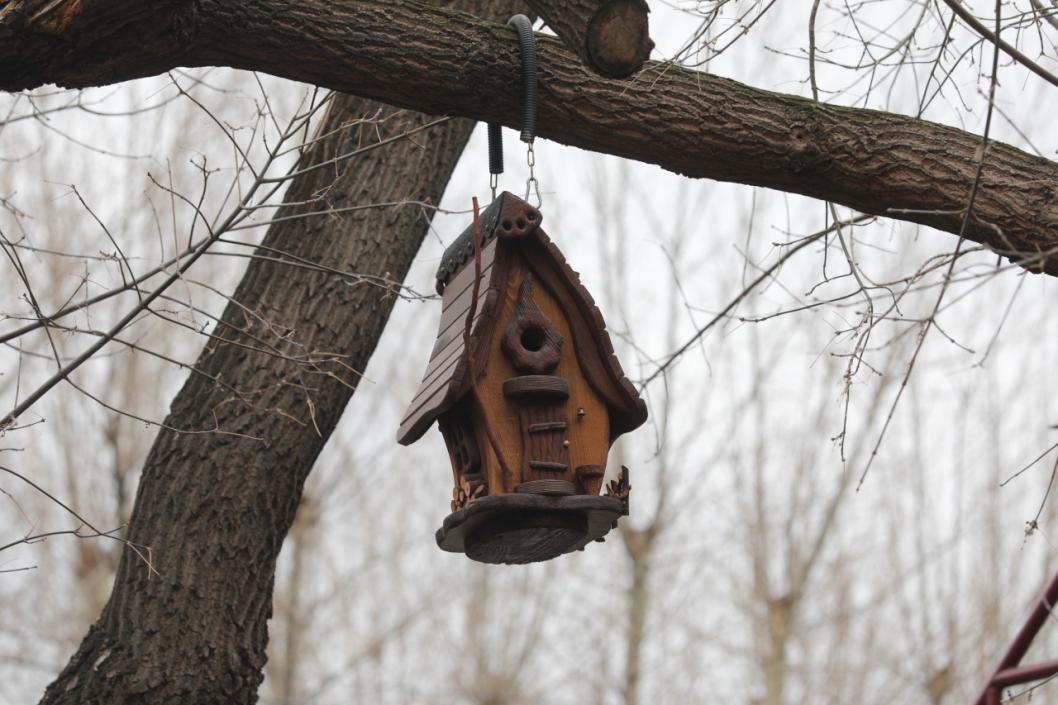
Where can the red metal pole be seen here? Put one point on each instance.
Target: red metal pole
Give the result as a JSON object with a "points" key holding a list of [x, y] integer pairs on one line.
{"points": [[1018, 647], [1025, 674]]}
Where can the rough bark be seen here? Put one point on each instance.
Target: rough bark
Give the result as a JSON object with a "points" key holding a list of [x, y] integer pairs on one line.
{"points": [[214, 509], [611, 36], [438, 61]]}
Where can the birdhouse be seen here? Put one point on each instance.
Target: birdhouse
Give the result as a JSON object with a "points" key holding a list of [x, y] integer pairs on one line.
{"points": [[525, 387]]}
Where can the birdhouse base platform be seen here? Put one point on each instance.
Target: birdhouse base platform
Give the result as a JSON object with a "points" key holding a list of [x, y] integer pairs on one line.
{"points": [[526, 528]]}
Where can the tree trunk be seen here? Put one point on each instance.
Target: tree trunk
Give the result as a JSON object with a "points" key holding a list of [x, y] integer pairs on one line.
{"points": [[776, 664], [416, 56], [214, 509], [303, 538], [639, 544]]}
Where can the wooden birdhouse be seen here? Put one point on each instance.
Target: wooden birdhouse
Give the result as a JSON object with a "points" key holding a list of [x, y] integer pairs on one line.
{"points": [[529, 396]]}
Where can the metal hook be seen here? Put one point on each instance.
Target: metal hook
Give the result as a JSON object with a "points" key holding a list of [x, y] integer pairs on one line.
{"points": [[531, 182]]}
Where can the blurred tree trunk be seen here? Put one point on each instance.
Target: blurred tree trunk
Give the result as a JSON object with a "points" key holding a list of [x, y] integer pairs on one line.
{"points": [[285, 665], [214, 508], [639, 544]]}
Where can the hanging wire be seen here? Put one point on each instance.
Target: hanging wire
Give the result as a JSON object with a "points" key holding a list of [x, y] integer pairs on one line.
{"points": [[530, 100]]}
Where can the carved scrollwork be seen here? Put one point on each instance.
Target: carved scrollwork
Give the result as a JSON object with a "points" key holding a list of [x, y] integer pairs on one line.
{"points": [[467, 491], [620, 489], [531, 342]]}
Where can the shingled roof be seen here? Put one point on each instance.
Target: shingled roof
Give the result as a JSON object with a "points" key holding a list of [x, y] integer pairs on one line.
{"points": [[511, 225]]}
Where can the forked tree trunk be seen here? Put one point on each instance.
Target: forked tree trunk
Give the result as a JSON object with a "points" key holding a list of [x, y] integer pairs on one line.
{"points": [[213, 508]]}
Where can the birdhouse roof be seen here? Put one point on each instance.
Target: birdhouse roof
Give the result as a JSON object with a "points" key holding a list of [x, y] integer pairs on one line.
{"points": [[511, 227]]}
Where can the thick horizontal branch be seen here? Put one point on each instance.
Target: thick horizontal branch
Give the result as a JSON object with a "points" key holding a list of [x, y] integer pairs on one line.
{"points": [[437, 61]]}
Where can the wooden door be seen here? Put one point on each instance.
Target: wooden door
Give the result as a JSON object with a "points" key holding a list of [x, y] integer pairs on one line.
{"points": [[545, 443]]}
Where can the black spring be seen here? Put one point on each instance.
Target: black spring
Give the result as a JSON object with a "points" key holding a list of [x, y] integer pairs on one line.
{"points": [[525, 39], [495, 149]]}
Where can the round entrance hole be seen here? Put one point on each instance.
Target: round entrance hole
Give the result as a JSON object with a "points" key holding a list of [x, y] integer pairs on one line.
{"points": [[533, 338]]}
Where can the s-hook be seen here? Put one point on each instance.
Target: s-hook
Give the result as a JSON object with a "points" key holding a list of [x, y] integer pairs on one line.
{"points": [[524, 27]]}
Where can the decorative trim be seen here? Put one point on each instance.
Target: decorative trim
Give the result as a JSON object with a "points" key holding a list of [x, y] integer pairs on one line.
{"points": [[508, 216], [531, 342], [590, 478], [536, 388], [548, 487], [619, 489]]}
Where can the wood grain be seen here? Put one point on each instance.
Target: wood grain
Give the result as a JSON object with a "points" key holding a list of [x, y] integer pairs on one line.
{"points": [[611, 36], [444, 381], [588, 433]]}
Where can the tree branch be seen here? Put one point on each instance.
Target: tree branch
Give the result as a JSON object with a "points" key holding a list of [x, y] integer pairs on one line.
{"points": [[439, 61], [979, 27]]}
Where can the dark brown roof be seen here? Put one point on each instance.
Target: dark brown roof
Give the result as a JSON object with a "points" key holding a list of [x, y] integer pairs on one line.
{"points": [[462, 248], [509, 224]]}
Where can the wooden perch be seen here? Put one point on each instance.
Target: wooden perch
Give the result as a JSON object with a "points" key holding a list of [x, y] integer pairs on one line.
{"points": [[611, 36]]}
